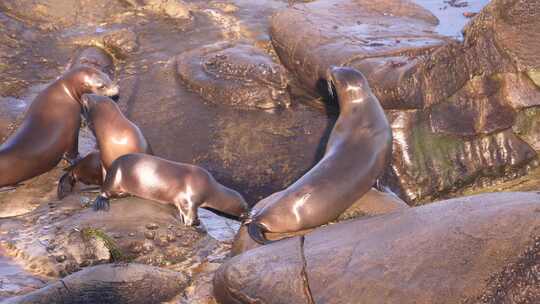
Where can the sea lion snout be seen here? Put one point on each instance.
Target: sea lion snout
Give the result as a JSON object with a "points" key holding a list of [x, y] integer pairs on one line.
{"points": [[99, 83], [112, 91]]}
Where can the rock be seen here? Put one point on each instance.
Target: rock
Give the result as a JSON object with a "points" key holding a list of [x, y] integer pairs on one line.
{"points": [[11, 114], [370, 204], [237, 75], [175, 9], [517, 283], [368, 41], [150, 235], [527, 126], [111, 283], [361, 31], [444, 252], [54, 14], [426, 164], [86, 237], [16, 280], [122, 42], [461, 89]]}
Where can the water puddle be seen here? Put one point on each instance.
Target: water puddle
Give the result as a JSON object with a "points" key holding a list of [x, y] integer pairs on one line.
{"points": [[451, 14]]}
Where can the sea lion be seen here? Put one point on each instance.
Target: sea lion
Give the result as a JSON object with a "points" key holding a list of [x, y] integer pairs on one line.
{"points": [[115, 135], [50, 127], [185, 186], [358, 150], [87, 170]]}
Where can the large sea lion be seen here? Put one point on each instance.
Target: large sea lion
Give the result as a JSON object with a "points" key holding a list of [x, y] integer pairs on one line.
{"points": [[50, 127], [115, 135], [185, 186], [358, 150]]}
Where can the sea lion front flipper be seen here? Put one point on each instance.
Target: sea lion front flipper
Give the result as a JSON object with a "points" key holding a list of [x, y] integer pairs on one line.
{"points": [[101, 203], [65, 185], [255, 231], [71, 160]]}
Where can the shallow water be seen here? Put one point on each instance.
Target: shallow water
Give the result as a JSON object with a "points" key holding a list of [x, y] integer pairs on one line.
{"points": [[451, 18]]}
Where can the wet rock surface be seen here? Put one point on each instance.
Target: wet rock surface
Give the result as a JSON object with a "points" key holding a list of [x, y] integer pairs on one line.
{"points": [[15, 280], [445, 252], [112, 283], [236, 75], [452, 162], [464, 88]]}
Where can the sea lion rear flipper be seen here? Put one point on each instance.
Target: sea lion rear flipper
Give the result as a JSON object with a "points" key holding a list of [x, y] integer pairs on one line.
{"points": [[65, 185], [101, 203], [255, 231]]}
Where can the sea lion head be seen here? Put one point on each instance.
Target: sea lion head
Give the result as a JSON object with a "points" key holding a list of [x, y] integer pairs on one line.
{"points": [[88, 80], [89, 102], [347, 85]]}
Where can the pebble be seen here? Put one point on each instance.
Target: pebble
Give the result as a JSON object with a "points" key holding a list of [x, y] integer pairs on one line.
{"points": [[152, 226], [469, 14], [136, 247], [150, 235], [147, 247], [171, 237]]}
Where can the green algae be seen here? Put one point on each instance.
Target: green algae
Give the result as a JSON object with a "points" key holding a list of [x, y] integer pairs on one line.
{"points": [[114, 249]]}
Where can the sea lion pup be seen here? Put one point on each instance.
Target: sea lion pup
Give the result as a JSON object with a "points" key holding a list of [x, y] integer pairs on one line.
{"points": [[87, 170], [50, 128], [358, 150], [185, 186], [115, 135]]}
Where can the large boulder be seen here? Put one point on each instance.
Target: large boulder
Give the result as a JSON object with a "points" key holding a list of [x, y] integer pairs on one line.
{"points": [[459, 91], [445, 252], [235, 74]]}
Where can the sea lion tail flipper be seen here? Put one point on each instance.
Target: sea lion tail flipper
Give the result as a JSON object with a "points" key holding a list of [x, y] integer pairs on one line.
{"points": [[65, 185], [255, 231], [101, 203]]}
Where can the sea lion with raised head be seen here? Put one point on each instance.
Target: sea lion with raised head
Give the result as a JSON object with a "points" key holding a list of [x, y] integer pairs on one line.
{"points": [[187, 187], [50, 128], [115, 135], [358, 150]]}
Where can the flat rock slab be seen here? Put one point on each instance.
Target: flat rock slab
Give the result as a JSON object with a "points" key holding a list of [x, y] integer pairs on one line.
{"points": [[62, 13], [111, 283], [389, 36], [445, 252], [235, 74], [62, 237]]}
